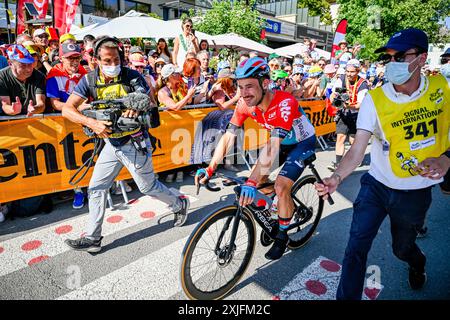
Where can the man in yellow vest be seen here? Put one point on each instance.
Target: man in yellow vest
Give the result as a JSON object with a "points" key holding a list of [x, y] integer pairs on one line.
{"points": [[410, 120]]}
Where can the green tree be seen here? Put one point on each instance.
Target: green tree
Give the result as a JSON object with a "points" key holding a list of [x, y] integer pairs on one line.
{"points": [[232, 16], [372, 22], [317, 8]]}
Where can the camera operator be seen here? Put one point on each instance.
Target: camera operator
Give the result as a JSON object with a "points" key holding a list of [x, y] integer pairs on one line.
{"points": [[122, 148], [348, 92]]}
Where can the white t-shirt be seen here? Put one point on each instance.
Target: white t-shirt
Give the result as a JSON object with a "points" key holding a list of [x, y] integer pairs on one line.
{"points": [[380, 167]]}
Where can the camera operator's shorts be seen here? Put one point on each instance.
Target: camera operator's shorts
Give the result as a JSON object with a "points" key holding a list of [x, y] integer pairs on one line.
{"points": [[291, 157], [445, 185], [347, 124]]}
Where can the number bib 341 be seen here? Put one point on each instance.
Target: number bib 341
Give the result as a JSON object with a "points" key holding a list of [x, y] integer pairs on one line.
{"points": [[415, 130]]}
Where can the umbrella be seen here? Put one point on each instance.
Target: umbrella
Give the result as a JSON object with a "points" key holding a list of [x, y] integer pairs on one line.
{"points": [[237, 42], [299, 48], [136, 27]]}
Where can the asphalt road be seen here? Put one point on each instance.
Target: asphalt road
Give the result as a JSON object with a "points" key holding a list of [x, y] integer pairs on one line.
{"points": [[141, 252]]}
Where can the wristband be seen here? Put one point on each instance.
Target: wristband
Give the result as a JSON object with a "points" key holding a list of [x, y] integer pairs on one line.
{"points": [[251, 182], [338, 176], [209, 171]]}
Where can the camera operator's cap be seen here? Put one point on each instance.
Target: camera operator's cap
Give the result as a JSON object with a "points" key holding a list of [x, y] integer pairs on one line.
{"points": [[225, 73], [69, 50], [405, 40], [19, 53], [168, 70], [38, 32], [136, 49], [353, 63], [329, 68]]}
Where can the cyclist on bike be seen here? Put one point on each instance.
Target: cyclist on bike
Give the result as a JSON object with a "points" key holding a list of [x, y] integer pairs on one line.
{"points": [[292, 139]]}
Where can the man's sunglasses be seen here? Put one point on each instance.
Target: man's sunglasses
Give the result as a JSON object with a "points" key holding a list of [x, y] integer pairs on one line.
{"points": [[399, 56]]}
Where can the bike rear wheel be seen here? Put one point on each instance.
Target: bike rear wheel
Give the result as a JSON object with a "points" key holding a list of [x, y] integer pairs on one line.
{"points": [[303, 192], [205, 273]]}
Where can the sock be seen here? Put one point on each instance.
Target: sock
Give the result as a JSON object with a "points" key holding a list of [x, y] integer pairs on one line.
{"points": [[283, 223], [338, 159]]}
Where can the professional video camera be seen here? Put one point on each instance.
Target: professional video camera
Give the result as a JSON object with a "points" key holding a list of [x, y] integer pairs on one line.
{"points": [[136, 101], [341, 98]]}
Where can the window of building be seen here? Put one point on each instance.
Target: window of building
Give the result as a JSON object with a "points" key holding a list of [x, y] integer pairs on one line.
{"points": [[138, 6], [102, 8]]}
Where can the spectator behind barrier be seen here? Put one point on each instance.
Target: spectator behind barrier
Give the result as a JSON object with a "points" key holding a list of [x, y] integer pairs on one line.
{"points": [[163, 50], [193, 78], [172, 91], [22, 88]]}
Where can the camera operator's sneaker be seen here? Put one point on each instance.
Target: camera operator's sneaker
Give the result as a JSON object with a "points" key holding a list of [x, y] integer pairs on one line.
{"points": [[181, 216], [417, 279], [78, 200], [85, 244]]}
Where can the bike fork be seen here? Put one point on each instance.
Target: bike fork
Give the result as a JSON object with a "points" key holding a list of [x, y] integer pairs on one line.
{"points": [[234, 231]]}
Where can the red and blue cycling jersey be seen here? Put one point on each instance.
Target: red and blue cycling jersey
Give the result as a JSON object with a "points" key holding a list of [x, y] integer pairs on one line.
{"points": [[284, 118]]}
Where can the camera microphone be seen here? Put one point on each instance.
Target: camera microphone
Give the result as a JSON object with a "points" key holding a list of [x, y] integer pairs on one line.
{"points": [[137, 101]]}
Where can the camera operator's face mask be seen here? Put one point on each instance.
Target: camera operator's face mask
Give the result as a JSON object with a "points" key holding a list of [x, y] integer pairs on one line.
{"points": [[111, 71], [398, 72]]}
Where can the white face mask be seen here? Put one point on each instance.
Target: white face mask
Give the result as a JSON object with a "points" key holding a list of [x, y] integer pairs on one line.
{"points": [[111, 71], [445, 70], [398, 72]]}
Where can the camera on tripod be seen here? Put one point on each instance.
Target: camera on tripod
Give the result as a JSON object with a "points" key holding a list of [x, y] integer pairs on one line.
{"points": [[113, 109], [341, 98]]}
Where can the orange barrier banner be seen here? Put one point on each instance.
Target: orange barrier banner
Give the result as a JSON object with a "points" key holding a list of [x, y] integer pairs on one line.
{"points": [[39, 156], [317, 114]]}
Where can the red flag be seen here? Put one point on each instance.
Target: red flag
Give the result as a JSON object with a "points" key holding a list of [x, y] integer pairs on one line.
{"points": [[41, 6], [65, 11], [339, 35]]}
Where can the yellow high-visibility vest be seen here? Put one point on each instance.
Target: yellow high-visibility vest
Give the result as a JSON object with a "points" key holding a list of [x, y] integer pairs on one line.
{"points": [[415, 130]]}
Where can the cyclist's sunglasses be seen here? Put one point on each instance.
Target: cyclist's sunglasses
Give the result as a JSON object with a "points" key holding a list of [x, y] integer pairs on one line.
{"points": [[399, 56]]}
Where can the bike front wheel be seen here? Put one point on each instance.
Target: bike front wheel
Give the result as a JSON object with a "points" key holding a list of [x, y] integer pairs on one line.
{"points": [[308, 210], [207, 273]]}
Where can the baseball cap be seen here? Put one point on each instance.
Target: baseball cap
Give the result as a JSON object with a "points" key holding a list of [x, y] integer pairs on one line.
{"points": [[355, 63], [225, 73], [160, 60], [298, 61], [342, 41], [136, 49], [67, 36], [19, 53], [137, 59], [446, 53], [69, 50], [297, 70], [39, 32], [315, 71], [406, 39], [329, 68], [222, 64], [152, 52], [274, 56], [168, 70]]}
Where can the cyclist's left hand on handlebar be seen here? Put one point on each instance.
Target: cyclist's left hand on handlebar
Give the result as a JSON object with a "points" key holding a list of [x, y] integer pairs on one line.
{"points": [[248, 193], [203, 175]]}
